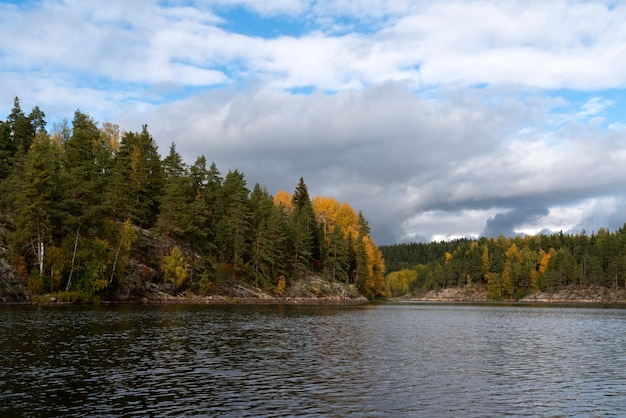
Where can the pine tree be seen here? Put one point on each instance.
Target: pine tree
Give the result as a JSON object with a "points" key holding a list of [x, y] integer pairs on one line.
{"points": [[22, 129], [198, 235], [7, 150], [212, 204], [86, 167], [267, 249], [83, 176], [36, 204], [137, 180], [37, 121], [173, 164], [234, 225], [177, 211]]}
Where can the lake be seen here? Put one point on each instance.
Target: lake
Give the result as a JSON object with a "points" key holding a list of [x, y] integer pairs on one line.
{"points": [[430, 360]]}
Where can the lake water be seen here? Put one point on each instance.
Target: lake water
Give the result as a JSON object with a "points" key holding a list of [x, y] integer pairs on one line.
{"points": [[274, 360]]}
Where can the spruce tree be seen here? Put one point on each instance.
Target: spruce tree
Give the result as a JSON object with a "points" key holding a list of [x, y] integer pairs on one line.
{"points": [[234, 226], [267, 248], [36, 203], [305, 230]]}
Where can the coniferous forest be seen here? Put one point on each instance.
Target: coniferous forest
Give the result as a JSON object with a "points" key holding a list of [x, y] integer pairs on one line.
{"points": [[510, 268], [84, 206], [77, 203]]}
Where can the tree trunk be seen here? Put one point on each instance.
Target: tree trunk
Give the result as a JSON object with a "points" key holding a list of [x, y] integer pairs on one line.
{"points": [[69, 280]]}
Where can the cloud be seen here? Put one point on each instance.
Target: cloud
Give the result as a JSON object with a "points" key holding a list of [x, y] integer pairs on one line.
{"points": [[505, 223], [415, 166], [594, 106], [548, 45], [438, 119]]}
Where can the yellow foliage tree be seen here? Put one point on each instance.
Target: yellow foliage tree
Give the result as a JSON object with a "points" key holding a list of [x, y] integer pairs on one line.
{"points": [[175, 267], [111, 134], [485, 261], [127, 237], [329, 213], [398, 282], [494, 286], [544, 261], [375, 282], [348, 220], [325, 209], [285, 199]]}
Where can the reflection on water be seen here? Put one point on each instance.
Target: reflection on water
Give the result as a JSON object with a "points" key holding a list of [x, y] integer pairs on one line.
{"points": [[275, 360]]}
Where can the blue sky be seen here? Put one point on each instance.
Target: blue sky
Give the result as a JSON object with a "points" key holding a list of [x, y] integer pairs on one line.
{"points": [[438, 119]]}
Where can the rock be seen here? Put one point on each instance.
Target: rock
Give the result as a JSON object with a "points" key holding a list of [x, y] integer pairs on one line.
{"points": [[12, 289]]}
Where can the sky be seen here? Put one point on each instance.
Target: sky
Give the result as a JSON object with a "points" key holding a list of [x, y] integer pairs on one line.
{"points": [[437, 119]]}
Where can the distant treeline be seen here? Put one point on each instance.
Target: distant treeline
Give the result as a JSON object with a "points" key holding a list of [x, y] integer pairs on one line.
{"points": [[510, 268], [74, 202]]}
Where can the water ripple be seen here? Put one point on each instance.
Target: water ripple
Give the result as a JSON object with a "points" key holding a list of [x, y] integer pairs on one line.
{"points": [[276, 361]]}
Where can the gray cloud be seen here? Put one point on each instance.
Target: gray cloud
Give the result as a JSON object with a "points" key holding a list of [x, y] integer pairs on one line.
{"points": [[418, 167], [432, 133], [505, 223]]}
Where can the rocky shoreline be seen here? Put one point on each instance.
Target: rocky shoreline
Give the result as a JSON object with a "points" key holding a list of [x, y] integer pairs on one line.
{"points": [[570, 295], [309, 290]]}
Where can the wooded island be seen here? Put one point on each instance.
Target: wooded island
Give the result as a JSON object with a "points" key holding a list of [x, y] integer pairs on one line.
{"points": [[89, 213], [590, 266], [86, 208]]}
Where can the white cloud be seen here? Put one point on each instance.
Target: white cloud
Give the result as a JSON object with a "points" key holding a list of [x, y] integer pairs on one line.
{"points": [[403, 160], [549, 45], [594, 106], [436, 118]]}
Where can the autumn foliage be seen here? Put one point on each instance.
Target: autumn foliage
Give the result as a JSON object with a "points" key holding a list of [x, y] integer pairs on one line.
{"points": [[510, 268], [84, 206]]}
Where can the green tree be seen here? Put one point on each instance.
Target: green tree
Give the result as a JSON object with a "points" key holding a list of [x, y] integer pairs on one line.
{"points": [[22, 129], [7, 150], [336, 262], [137, 180], [269, 232], [495, 287], [85, 164], [212, 203], [177, 212], [234, 224], [36, 204], [306, 232]]}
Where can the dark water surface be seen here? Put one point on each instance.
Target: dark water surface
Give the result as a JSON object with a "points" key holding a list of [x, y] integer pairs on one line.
{"points": [[275, 360]]}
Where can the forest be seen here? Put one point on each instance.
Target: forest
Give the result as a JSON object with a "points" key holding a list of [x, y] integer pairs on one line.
{"points": [[510, 268], [75, 201]]}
